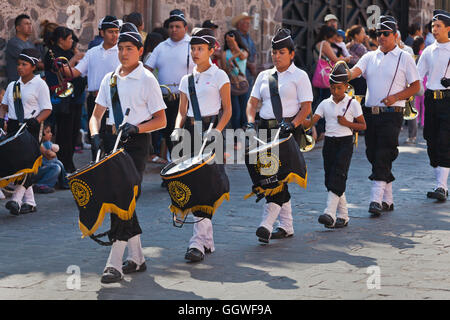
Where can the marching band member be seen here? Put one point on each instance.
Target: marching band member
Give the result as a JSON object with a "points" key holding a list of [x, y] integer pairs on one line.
{"points": [[212, 90], [173, 60], [98, 61], [339, 111], [33, 95], [435, 64], [388, 71], [139, 90], [296, 97]]}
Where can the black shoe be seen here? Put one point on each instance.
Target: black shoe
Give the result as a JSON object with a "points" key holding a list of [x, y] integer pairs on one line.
{"points": [[27, 208], [263, 234], [340, 223], [386, 207], [130, 267], [375, 209], [207, 250], [13, 207], [327, 221], [439, 194], [280, 233], [194, 255], [111, 275]]}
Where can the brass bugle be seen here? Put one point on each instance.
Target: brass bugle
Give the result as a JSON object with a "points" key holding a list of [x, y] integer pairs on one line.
{"points": [[409, 111], [169, 94], [64, 88], [307, 141]]}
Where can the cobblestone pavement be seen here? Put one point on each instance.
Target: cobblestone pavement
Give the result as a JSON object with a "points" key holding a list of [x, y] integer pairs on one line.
{"points": [[410, 246]]}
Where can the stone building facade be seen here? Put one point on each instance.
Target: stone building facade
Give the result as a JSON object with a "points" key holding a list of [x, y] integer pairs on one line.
{"points": [[83, 15]]}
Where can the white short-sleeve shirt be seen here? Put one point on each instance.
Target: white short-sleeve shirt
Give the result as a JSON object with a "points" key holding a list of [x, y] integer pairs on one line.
{"points": [[171, 59], [96, 63], [432, 63], [207, 87], [139, 91], [35, 97], [379, 69], [294, 88], [329, 110]]}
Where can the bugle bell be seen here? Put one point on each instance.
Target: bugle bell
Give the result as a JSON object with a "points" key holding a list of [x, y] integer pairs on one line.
{"points": [[169, 95], [307, 141], [410, 112], [64, 88]]}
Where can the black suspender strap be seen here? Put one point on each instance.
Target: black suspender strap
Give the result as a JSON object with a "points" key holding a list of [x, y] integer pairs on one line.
{"points": [[193, 98], [395, 74], [115, 101], [275, 96], [348, 105], [18, 105]]}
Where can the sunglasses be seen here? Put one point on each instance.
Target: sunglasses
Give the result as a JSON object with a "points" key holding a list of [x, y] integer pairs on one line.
{"points": [[384, 33]]}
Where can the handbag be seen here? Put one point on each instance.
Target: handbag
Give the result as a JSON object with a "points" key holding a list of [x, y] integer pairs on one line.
{"points": [[321, 77], [239, 83]]}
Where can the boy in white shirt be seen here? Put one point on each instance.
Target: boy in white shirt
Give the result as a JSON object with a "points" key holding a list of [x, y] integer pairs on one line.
{"points": [[339, 112]]}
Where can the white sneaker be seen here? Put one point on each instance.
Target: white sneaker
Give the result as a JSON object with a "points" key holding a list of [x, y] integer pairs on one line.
{"points": [[410, 141], [2, 196]]}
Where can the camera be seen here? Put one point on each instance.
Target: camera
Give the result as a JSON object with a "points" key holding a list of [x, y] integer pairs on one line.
{"points": [[445, 82]]}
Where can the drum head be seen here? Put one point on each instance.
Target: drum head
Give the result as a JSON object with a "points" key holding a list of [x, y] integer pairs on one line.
{"points": [[92, 164], [268, 145], [184, 165]]}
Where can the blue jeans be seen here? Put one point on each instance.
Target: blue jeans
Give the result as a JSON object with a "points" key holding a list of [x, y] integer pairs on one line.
{"points": [[239, 105], [50, 173]]}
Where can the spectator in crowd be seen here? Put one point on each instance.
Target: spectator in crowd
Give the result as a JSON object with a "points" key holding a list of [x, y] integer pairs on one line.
{"points": [[418, 46], [52, 171], [66, 110], [15, 45], [98, 38], [358, 40], [46, 33], [402, 45], [162, 31], [414, 30], [373, 41], [242, 24], [136, 19], [216, 58], [234, 59], [340, 42], [331, 21], [428, 35]]}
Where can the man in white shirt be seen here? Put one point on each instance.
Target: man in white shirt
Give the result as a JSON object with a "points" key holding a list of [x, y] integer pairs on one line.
{"points": [[137, 89], [388, 70], [435, 64], [98, 61], [173, 60]]}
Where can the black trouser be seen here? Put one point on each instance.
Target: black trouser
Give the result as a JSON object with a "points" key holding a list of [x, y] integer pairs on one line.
{"points": [[337, 155], [12, 127], [67, 130], [90, 105], [171, 116], [283, 196], [381, 139], [436, 130], [137, 147]]}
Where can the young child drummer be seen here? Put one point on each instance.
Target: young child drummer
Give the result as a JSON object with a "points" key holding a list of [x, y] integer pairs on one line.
{"points": [[32, 107], [339, 112], [212, 88]]}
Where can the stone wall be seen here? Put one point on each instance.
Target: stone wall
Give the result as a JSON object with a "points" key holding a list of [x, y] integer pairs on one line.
{"points": [[60, 11]]}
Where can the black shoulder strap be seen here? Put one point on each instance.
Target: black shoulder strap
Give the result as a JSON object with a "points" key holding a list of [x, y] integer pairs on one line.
{"points": [[18, 105], [275, 96], [348, 105], [115, 101], [194, 100], [395, 74]]}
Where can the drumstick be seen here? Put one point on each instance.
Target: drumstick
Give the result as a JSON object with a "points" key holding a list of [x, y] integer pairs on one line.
{"points": [[23, 126], [98, 155], [205, 140], [276, 136], [119, 135]]}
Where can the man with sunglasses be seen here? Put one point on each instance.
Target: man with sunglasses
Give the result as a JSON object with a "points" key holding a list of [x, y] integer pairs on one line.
{"points": [[392, 77], [435, 64]]}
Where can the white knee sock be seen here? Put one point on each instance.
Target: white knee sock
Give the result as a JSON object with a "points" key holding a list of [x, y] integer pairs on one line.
{"points": [[202, 236], [285, 218], [442, 177], [270, 214], [342, 208], [116, 255], [388, 196], [28, 197], [332, 204], [18, 194], [377, 191], [135, 252]]}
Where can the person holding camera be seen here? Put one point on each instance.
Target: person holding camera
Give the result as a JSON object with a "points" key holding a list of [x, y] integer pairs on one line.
{"points": [[435, 64]]}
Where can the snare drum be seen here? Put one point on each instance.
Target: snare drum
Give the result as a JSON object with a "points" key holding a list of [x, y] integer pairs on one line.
{"points": [[110, 185], [18, 156], [275, 164], [196, 185]]}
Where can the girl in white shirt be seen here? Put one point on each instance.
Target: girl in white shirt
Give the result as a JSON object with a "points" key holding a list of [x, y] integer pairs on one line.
{"points": [[339, 112]]}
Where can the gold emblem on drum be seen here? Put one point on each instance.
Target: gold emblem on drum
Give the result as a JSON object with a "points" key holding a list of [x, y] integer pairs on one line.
{"points": [[268, 164], [179, 192], [81, 192]]}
